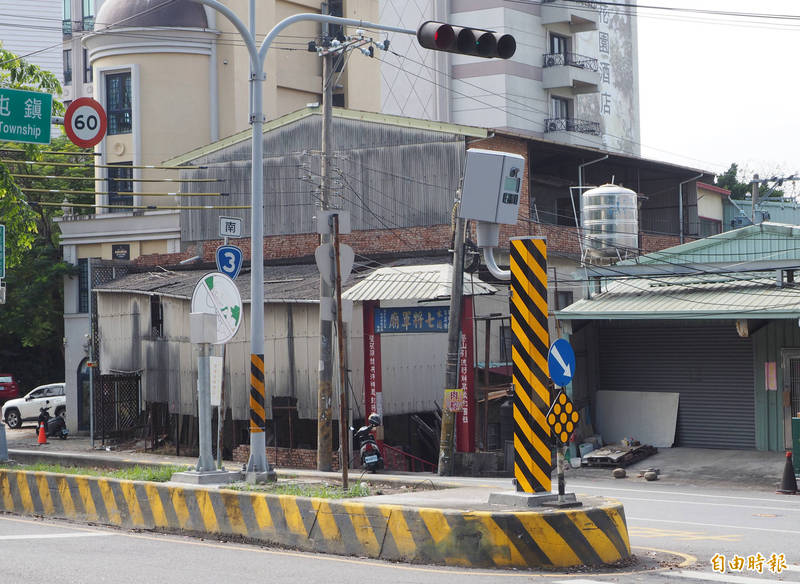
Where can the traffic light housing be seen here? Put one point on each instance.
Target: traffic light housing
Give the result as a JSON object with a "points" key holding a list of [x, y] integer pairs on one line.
{"points": [[476, 42]]}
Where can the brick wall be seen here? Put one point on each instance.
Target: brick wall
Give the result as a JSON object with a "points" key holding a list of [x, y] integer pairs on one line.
{"points": [[286, 458]]}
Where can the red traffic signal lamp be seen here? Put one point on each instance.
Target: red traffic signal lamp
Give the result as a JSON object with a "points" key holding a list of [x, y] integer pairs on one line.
{"points": [[440, 36]]}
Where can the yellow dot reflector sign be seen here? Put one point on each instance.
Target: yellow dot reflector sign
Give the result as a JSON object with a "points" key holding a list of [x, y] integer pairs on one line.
{"points": [[563, 418]]}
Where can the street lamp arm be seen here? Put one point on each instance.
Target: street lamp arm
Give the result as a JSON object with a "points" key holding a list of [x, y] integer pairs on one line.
{"points": [[262, 51], [244, 31]]}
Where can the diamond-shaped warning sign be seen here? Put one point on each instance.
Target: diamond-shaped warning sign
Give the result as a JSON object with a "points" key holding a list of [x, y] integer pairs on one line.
{"points": [[563, 418]]}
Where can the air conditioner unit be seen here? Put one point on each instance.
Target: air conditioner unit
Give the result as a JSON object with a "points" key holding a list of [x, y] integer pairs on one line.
{"points": [[552, 127], [550, 61]]}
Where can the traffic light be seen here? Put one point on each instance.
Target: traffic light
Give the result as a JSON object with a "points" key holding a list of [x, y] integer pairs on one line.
{"points": [[440, 36]]}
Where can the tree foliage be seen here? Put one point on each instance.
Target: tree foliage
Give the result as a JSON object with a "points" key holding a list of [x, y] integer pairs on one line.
{"points": [[31, 320]]}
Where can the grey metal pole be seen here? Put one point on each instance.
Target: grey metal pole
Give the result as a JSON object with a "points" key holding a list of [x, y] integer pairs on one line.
{"points": [[91, 353], [205, 462]]}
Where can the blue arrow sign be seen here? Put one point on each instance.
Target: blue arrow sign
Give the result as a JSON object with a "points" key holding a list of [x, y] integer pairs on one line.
{"points": [[229, 260], [561, 362]]}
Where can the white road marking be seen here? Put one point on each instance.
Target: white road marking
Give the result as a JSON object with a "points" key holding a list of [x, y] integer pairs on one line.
{"points": [[607, 488], [707, 504], [716, 577], [55, 535], [715, 525], [580, 581]]}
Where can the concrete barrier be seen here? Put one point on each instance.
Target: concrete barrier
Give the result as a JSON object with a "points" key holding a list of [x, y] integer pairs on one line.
{"points": [[548, 539]]}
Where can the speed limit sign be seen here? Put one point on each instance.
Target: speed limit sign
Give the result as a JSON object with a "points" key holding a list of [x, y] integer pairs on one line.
{"points": [[85, 122]]}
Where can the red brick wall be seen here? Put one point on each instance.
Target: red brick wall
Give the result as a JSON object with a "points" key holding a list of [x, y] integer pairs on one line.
{"points": [[286, 458]]}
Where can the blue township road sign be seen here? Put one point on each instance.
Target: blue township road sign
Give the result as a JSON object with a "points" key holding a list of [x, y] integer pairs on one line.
{"points": [[561, 362], [229, 260]]}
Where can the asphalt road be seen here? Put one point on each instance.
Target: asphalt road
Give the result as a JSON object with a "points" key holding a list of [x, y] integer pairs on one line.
{"points": [[36, 551]]}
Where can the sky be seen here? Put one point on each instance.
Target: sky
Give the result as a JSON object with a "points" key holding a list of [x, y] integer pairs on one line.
{"points": [[716, 90]]}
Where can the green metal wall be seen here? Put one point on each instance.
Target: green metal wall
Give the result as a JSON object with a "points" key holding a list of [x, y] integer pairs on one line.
{"points": [[768, 342]]}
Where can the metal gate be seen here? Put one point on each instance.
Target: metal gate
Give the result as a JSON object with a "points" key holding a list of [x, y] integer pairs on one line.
{"points": [[708, 364], [117, 406]]}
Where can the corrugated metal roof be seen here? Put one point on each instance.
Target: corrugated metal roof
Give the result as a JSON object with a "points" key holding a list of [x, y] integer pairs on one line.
{"points": [[295, 283], [342, 113], [765, 241], [422, 277], [429, 282], [696, 297]]}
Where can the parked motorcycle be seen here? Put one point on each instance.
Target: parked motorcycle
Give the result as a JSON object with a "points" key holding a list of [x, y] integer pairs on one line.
{"points": [[371, 458], [53, 425]]}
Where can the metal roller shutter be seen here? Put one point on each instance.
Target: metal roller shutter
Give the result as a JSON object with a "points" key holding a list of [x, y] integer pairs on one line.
{"points": [[707, 363]]}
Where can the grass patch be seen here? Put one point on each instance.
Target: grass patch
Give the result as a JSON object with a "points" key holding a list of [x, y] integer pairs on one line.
{"points": [[156, 474], [317, 490]]}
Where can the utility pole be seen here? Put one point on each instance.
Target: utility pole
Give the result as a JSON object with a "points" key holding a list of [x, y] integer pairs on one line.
{"points": [[754, 198], [344, 445], [324, 391], [447, 439]]}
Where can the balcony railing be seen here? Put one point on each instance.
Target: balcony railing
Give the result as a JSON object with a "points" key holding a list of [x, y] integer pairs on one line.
{"points": [[572, 125], [88, 23], [66, 27], [571, 60]]}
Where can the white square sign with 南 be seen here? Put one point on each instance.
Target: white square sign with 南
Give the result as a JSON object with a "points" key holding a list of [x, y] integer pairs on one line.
{"points": [[230, 227]]}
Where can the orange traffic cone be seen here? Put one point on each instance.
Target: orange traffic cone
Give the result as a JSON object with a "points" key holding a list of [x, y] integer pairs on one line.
{"points": [[42, 435], [789, 481]]}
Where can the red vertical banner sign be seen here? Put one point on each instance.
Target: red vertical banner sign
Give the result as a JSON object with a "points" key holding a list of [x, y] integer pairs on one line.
{"points": [[373, 402], [465, 421]]}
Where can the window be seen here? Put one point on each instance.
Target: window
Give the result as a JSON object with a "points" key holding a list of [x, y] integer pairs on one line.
{"points": [[83, 285], [156, 317], [88, 14], [559, 107], [118, 103], [87, 67], [66, 22], [559, 45], [120, 186], [506, 341], [67, 66], [709, 227], [563, 299]]}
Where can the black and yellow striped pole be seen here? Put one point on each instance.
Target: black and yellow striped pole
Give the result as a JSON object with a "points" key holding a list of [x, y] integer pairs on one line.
{"points": [[532, 445], [258, 414]]}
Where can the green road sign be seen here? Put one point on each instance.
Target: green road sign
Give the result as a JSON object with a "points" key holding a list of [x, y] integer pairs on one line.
{"points": [[2, 251], [25, 116]]}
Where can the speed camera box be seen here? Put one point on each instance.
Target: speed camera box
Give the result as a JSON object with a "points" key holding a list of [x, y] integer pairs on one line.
{"points": [[492, 186]]}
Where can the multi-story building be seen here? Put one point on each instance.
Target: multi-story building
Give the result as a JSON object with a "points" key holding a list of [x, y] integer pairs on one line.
{"points": [[573, 78], [31, 30], [77, 21]]}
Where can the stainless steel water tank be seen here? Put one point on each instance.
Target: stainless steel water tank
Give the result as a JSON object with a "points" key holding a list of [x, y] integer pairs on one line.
{"points": [[610, 222]]}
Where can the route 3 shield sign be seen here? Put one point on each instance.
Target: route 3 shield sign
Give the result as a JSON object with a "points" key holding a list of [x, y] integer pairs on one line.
{"points": [[229, 260]]}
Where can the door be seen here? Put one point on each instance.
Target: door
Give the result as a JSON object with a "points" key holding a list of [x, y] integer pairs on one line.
{"points": [[791, 389]]}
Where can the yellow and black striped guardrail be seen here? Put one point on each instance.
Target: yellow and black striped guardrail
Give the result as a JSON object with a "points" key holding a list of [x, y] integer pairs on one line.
{"points": [[549, 539], [532, 446]]}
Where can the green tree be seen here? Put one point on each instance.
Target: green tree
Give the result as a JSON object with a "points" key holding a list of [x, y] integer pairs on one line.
{"points": [[31, 320], [738, 184]]}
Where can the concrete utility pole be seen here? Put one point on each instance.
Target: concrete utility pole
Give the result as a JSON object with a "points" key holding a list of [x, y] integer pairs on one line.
{"points": [[324, 391], [754, 198], [447, 439], [257, 466], [344, 444]]}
